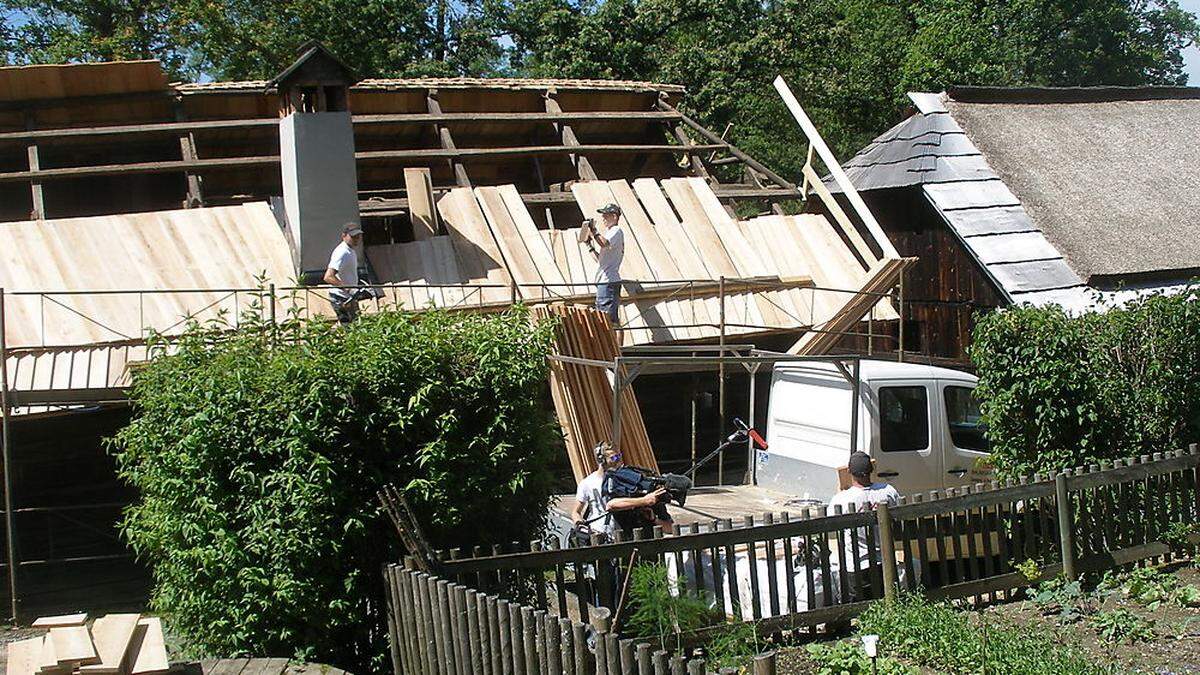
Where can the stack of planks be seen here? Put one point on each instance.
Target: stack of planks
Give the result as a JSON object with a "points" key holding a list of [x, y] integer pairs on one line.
{"points": [[115, 644], [583, 394]]}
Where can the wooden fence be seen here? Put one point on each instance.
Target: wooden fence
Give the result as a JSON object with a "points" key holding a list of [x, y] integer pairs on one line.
{"points": [[789, 574]]}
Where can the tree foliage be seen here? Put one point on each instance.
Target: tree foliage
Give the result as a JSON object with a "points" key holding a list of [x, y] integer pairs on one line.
{"points": [[849, 61], [257, 468], [1060, 391]]}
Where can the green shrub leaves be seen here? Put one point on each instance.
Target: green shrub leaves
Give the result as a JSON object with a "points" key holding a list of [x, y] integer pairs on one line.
{"points": [[257, 467], [1061, 391]]}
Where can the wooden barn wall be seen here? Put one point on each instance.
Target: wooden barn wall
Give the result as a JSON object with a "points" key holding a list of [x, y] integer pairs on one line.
{"points": [[945, 288]]}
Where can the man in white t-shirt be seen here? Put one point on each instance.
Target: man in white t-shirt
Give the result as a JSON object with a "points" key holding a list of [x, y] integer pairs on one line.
{"points": [[593, 508], [611, 239], [862, 495], [342, 274]]}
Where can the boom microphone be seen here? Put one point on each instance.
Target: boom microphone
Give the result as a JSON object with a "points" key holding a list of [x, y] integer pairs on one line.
{"points": [[754, 435]]}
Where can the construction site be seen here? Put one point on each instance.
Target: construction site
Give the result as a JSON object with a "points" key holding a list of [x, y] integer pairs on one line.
{"points": [[131, 205]]}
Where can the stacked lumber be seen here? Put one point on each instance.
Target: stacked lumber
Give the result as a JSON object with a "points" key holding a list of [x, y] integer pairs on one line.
{"points": [[583, 394], [115, 644]]}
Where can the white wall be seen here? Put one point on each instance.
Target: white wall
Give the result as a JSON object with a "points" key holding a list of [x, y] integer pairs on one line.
{"points": [[320, 182]]}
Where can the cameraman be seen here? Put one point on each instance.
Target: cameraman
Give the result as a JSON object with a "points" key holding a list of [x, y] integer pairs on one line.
{"points": [[593, 500]]}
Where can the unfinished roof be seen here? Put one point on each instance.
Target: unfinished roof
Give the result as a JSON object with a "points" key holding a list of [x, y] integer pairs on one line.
{"points": [[1052, 188]]}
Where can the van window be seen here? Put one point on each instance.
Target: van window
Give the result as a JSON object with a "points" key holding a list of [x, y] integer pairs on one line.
{"points": [[962, 413], [903, 419]]}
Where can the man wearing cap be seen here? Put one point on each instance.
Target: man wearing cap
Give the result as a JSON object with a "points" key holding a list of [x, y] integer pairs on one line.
{"points": [[611, 239], [342, 274], [862, 495]]}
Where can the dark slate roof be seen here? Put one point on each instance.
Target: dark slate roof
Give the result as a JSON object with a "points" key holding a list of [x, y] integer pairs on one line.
{"points": [[1050, 188]]}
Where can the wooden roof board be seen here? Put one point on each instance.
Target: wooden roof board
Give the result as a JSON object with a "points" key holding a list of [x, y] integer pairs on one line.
{"points": [[541, 254], [218, 247], [521, 266], [475, 246]]}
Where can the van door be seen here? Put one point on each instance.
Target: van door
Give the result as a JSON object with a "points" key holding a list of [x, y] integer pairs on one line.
{"points": [[905, 454], [963, 437]]}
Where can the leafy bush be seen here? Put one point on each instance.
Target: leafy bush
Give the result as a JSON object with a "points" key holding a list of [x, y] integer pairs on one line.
{"points": [[1151, 587], [257, 467], [1060, 391], [1058, 597], [939, 637], [1122, 625], [846, 657]]}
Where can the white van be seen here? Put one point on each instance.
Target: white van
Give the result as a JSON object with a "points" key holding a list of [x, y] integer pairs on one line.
{"points": [[919, 423]]}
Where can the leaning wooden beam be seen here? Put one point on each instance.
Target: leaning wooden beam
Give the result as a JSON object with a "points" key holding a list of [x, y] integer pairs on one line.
{"points": [[835, 170], [175, 128], [447, 141], [883, 275], [582, 166]]}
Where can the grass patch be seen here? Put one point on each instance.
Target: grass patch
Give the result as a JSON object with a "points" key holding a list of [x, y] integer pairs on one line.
{"points": [[940, 637]]}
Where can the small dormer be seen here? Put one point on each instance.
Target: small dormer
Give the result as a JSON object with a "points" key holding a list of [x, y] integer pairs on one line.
{"points": [[316, 82]]}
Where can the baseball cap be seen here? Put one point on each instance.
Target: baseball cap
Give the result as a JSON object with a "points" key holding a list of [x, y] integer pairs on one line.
{"points": [[609, 208], [352, 230], [859, 464]]}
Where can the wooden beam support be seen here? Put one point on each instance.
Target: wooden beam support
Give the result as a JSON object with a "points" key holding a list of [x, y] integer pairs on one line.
{"points": [[447, 141], [582, 166], [733, 150], [37, 197], [425, 154], [187, 152], [178, 127]]}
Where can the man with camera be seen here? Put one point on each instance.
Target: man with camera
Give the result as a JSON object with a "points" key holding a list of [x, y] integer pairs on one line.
{"points": [[602, 501], [342, 274], [611, 240]]}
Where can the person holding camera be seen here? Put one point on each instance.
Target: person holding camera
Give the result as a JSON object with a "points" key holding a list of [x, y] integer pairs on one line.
{"points": [[599, 508], [342, 275], [611, 240]]}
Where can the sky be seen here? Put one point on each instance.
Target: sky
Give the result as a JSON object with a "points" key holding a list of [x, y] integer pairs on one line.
{"points": [[1191, 55]]}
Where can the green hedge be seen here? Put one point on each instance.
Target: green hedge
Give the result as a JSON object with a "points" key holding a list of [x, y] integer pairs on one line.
{"points": [[257, 469], [1060, 391]]}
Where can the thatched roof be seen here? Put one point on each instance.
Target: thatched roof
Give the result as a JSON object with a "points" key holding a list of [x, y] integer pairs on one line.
{"points": [[1114, 184], [1110, 176]]}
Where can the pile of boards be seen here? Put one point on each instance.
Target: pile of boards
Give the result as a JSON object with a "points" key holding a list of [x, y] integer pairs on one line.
{"points": [[583, 394], [114, 644]]}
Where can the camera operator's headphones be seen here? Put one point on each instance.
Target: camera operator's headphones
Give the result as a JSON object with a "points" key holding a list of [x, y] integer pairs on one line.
{"points": [[601, 449]]}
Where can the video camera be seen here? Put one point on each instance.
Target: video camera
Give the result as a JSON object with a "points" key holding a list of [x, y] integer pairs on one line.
{"points": [[634, 482]]}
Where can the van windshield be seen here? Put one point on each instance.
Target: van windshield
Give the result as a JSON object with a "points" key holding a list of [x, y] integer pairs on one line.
{"points": [[966, 426]]}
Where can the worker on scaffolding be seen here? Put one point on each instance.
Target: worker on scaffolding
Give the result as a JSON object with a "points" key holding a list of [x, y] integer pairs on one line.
{"points": [[611, 241], [342, 275]]}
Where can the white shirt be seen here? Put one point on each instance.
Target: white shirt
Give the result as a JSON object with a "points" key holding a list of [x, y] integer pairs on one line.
{"points": [[345, 262], [589, 493], [609, 263], [862, 499]]}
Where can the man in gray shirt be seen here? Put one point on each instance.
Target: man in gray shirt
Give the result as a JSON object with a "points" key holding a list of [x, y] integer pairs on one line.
{"points": [[611, 239]]}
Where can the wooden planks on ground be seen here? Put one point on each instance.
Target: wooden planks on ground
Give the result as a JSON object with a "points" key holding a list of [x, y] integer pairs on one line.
{"points": [[24, 656], [73, 646], [148, 648], [60, 620], [111, 634], [418, 186], [583, 394]]}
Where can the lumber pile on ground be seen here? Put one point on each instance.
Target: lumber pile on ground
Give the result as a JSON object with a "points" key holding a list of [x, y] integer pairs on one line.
{"points": [[114, 644], [583, 394]]}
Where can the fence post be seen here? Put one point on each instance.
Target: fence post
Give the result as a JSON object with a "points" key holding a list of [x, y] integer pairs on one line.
{"points": [[764, 664], [887, 551], [1066, 525]]}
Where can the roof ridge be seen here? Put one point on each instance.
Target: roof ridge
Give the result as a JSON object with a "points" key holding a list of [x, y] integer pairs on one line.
{"points": [[1094, 94]]}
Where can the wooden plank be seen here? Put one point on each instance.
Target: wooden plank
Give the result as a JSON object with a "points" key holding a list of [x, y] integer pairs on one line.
{"points": [[111, 634], [228, 667], [699, 228], [148, 653], [839, 215], [445, 271], [73, 645], [78, 619], [582, 166], [24, 656], [539, 253], [475, 246], [445, 138], [517, 258], [418, 185], [47, 660]]}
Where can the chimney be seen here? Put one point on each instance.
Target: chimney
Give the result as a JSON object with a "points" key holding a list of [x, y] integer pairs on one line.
{"points": [[316, 151]]}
